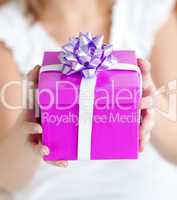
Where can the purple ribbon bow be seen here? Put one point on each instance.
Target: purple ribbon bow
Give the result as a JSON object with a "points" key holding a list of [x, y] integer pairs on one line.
{"points": [[86, 54]]}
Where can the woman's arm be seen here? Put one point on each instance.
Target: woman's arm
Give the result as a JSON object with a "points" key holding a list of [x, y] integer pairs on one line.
{"points": [[164, 71], [17, 159], [19, 152], [8, 73]]}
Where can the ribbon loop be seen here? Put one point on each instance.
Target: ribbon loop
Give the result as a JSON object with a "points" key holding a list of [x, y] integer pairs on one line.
{"points": [[86, 54]]}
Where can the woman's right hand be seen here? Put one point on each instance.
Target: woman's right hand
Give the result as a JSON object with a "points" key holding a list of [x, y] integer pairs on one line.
{"points": [[28, 125]]}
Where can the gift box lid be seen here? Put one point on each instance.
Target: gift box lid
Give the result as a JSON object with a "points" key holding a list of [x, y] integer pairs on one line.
{"points": [[55, 85]]}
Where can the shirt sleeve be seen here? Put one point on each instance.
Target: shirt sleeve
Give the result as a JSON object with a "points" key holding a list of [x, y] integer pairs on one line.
{"points": [[155, 15], [136, 23], [13, 32]]}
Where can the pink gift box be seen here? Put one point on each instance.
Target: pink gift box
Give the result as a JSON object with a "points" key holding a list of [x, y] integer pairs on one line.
{"points": [[114, 133]]}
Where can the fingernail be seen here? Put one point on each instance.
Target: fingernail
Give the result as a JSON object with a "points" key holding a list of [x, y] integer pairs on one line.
{"points": [[45, 151], [38, 129], [62, 164]]}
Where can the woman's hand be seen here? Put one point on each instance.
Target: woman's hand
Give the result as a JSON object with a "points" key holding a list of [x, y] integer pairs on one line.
{"points": [[147, 111], [27, 124]]}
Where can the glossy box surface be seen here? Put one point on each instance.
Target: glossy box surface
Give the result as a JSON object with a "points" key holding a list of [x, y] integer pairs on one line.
{"points": [[115, 124]]}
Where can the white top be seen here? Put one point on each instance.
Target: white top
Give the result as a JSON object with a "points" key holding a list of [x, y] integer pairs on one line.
{"points": [[134, 24]]}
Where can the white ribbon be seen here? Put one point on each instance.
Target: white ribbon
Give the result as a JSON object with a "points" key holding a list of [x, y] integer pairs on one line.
{"points": [[86, 106]]}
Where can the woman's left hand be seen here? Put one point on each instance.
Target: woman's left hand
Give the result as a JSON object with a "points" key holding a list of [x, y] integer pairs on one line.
{"points": [[146, 106]]}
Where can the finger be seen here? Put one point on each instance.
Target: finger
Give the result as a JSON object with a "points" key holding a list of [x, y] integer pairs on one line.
{"points": [[148, 84], [148, 120], [40, 149], [144, 141], [61, 163], [146, 128], [43, 150], [148, 91], [144, 66], [146, 103], [31, 128], [33, 74]]}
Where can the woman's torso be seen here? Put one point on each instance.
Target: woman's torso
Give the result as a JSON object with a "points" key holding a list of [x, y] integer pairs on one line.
{"points": [[143, 179]]}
